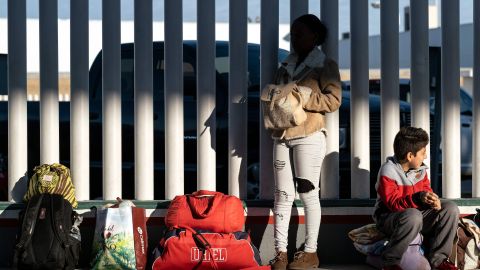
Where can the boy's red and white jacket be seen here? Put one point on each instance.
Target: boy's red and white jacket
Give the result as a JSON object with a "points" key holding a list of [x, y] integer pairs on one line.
{"points": [[398, 190]]}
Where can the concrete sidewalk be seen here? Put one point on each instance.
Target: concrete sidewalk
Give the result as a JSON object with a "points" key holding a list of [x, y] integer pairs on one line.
{"points": [[346, 267]]}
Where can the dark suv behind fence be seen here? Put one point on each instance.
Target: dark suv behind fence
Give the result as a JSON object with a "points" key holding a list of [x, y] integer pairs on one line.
{"points": [[190, 133]]}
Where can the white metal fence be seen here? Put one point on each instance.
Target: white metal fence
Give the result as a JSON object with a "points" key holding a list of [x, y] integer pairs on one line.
{"points": [[238, 108]]}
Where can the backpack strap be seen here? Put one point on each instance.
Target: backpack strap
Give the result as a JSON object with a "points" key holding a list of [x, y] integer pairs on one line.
{"points": [[58, 218], [29, 220], [202, 244]]}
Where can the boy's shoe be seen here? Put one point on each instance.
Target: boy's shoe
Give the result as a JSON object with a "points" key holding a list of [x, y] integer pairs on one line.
{"points": [[446, 265], [392, 267], [280, 261], [304, 260]]}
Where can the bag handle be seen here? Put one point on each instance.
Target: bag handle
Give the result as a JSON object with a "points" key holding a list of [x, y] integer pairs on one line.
{"points": [[214, 202], [201, 243], [204, 192]]}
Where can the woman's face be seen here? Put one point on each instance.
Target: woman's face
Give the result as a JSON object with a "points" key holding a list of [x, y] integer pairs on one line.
{"points": [[302, 38]]}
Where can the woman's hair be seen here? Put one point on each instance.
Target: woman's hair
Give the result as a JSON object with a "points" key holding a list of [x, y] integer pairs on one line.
{"points": [[315, 25], [409, 139]]}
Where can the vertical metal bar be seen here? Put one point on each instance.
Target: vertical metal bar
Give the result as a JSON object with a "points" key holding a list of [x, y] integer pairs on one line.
{"points": [[79, 106], [111, 100], [143, 113], [49, 127], [476, 100], [238, 98], [17, 100], [206, 120], [420, 87], [268, 67], [359, 100], [390, 104], [297, 9], [330, 177], [174, 175], [450, 99]]}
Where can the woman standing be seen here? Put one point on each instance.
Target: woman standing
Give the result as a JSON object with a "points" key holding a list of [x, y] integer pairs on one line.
{"points": [[299, 151]]}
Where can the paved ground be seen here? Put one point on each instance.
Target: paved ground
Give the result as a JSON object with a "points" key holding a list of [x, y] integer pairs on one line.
{"points": [[346, 267], [325, 267]]}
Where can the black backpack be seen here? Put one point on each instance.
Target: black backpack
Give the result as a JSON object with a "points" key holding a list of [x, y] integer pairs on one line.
{"points": [[45, 241]]}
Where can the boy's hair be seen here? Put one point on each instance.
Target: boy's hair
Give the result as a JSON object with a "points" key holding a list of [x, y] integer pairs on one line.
{"points": [[409, 139]]}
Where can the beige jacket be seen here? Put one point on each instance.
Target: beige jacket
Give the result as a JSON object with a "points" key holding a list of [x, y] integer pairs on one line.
{"points": [[326, 94]]}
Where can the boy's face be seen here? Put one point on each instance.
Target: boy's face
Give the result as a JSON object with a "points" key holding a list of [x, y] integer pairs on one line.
{"points": [[415, 161]]}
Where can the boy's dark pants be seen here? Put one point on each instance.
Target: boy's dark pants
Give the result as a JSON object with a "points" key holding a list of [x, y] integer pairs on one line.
{"points": [[437, 227]]}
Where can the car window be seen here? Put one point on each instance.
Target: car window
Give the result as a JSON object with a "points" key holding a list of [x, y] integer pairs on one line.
{"points": [[405, 94], [189, 84], [222, 62], [221, 65], [466, 103], [127, 79]]}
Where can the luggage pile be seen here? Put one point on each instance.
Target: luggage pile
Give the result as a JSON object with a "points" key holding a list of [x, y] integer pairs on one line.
{"points": [[205, 231], [49, 234]]}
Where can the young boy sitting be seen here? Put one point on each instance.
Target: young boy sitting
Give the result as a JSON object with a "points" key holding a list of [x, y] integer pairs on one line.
{"points": [[406, 204]]}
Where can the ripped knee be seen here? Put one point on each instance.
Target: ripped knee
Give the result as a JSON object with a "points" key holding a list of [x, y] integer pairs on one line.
{"points": [[304, 185], [283, 196]]}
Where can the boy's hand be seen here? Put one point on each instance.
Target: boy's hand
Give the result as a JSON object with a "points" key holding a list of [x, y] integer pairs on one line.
{"points": [[431, 199]]}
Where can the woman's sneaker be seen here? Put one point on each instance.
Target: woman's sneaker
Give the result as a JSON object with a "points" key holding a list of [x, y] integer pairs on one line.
{"points": [[304, 260], [280, 261]]}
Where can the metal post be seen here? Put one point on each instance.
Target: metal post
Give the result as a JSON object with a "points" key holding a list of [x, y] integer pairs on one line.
{"points": [[359, 100], [206, 120], [450, 100], [476, 100], [420, 88], [79, 106], [49, 120], [297, 9], [143, 113], [330, 177], [268, 67], [17, 100], [174, 175], [111, 100], [238, 94], [390, 104]]}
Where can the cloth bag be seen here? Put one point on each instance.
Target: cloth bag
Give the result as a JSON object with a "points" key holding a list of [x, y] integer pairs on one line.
{"points": [[466, 248], [206, 210], [53, 179], [412, 259], [186, 248], [282, 104], [120, 240]]}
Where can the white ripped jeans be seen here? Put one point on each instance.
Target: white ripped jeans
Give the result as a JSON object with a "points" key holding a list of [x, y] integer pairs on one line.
{"points": [[297, 163]]}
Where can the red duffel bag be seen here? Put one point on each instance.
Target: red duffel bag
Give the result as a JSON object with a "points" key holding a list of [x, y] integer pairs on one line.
{"points": [[206, 210], [189, 249]]}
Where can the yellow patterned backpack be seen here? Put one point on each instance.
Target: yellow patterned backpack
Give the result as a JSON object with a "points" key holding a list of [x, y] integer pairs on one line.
{"points": [[53, 179]]}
